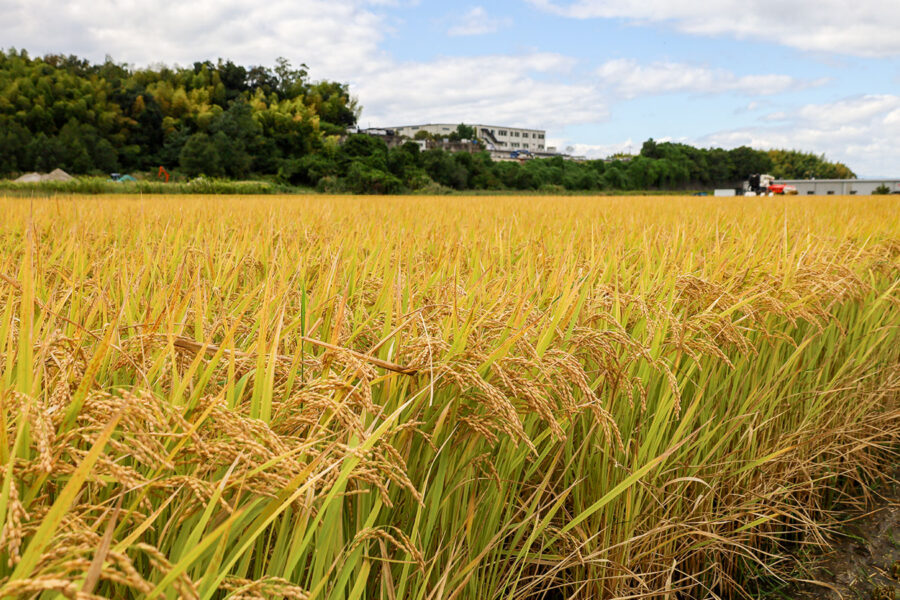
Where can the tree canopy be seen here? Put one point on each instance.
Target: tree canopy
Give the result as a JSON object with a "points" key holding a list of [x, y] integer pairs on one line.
{"points": [[213, 118]]}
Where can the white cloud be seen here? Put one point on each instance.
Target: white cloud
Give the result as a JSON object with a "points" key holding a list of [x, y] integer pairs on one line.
{"points": [[861, 131], [336, 38], [776, 116], [594, 151], [630, 79], [861, 28], [750, 107], [495, 89], [477, 21]]}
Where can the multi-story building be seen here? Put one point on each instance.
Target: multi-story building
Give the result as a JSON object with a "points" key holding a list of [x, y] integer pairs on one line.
{"points": [[494, 137]]}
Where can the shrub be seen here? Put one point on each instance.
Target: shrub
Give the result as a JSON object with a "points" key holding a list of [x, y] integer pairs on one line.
{"points": [[362, 179]]}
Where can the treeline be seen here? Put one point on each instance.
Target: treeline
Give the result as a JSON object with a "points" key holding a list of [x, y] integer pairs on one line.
{"points": [[364, 164], [218, 119], [706, 166], [225, 120]]}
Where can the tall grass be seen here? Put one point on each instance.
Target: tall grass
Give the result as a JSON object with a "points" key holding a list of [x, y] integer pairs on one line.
{"points": [[346, 398], [102, 185]]}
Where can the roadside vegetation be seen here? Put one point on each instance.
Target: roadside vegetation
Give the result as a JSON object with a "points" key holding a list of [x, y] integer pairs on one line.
{"points": [[229, 122], [436, 398], [101, 185]]}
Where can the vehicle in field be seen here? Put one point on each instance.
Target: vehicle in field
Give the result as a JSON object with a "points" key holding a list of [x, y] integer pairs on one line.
{"points": [[120, 178], [763, 185]]}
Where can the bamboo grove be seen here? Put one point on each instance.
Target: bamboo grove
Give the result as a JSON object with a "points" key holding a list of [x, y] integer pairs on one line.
{"points": [[436, 398]]}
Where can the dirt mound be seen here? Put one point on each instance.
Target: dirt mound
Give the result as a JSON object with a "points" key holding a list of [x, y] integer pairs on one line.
{"points": [[54, 175], [58, 175], [29, 178]]}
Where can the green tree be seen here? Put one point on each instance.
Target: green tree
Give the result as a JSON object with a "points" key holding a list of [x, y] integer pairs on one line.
{"points": [[236, 135], [792, 164], [291, 81], [104, 156], [362, 179], [443, 169], [650, 149], [580, 178], [465, 132], [366, 149], [170, 154], [199, 156], [614, 178], [639, 173], [76, 158], [721, 169], [44, 153], [309, 169], [334, 104], [747, 161], [14, 139]]}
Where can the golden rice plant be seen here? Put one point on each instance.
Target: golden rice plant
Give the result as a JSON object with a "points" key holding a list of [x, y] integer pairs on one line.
{"points": [[436, 398]]}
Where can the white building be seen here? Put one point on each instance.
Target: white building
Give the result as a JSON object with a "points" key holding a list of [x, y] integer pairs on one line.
{"points": [[494, 137], [840, 187]]}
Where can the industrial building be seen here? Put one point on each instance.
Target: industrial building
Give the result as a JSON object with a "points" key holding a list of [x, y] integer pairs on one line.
{"points": [[494, 137], [840, 187]]}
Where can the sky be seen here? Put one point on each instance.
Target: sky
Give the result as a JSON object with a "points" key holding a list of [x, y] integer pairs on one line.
{"points": [[601, 76]]}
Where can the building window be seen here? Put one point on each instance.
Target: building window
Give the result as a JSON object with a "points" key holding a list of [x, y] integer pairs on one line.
{"points": [[540, 136], [501, 132], [540, 146], [524, 145], [445, 129], [515, 144]]}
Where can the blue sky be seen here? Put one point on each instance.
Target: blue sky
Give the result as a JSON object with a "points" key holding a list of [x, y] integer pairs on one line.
{"points": [[599, 75]]}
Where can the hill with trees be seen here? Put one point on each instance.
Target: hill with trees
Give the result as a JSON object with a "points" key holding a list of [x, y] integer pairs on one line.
{"points": [[219, 119], [226, 120]]}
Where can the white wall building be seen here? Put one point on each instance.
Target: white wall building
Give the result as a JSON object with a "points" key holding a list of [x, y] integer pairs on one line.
{"points": [[840, 187], [494, 137]]}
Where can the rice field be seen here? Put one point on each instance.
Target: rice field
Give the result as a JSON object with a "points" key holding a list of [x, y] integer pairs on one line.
{"points": [[436, 397]]}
